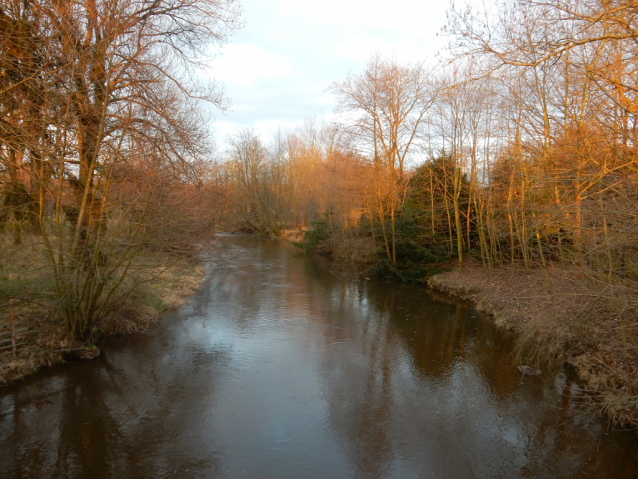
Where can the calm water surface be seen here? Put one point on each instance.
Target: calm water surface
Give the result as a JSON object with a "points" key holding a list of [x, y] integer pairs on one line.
{"points": [[277, 369]]}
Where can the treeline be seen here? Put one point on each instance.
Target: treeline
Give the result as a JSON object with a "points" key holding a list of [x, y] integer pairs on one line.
{"points": [[102, 150], [522, 150], [300, 178]]}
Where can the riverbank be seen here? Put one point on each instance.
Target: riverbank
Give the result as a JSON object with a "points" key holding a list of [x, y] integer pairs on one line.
{"points": [[27, 297], [563, 315]]}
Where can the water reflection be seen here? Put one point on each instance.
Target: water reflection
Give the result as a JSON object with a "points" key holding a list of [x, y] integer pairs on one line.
{"points": [[277, 369], [127, 413]]}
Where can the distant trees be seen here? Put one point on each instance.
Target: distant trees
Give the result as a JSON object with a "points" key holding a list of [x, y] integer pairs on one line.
{"points": [[302, 176], [387, 104], [99, 129], [261, 184], [533, 129]]}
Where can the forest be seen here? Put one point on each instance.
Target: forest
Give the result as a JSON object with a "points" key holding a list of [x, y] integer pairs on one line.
{"points": [[516, 151]]}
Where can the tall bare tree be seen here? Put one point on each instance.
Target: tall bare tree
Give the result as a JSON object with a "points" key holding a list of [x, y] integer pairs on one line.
{"points": [[106, 91], [387, 105]]}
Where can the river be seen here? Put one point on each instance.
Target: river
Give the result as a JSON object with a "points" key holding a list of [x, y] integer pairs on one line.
{"points": [[278, 369]]}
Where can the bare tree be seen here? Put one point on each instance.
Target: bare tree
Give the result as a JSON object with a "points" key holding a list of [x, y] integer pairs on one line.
{"points": [[387, 106], [106, 90]]}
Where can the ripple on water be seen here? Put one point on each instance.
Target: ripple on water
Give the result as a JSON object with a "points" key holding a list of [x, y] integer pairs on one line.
{"points": [[278, 369]]}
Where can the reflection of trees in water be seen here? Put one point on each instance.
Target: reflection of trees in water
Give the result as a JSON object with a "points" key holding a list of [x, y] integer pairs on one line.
{"points": [[106, 417], [427, 386], [412, 387], [361, 397], [77, 431], [70, 431], [374, 449]]}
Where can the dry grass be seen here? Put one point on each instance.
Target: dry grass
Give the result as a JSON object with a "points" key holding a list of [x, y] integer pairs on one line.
{"points": [[564, 315], [359, 250], [25, 278], [163, 282], [24, 270], [162, 288]]}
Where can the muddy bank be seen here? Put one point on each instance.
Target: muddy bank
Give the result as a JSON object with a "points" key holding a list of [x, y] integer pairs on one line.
{"points": [[563, 315]]}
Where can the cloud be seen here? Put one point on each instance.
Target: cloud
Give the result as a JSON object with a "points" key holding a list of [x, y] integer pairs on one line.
{"points": [[246, 65], [276, 70]]}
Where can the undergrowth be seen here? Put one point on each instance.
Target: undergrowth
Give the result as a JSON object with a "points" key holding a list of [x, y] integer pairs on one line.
{"points": [[156, 283]]}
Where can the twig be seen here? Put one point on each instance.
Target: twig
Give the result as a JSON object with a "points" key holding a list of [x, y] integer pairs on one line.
{"points": [[13, 327]]}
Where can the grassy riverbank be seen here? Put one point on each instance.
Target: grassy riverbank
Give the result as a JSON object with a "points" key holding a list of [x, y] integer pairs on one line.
{"points": [[27, 294], [563, 315]]}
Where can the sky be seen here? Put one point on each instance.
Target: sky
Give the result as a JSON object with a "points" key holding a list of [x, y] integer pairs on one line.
{"points": [[276, 69]]}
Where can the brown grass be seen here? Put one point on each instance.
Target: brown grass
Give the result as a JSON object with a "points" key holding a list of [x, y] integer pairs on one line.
{"points": [[163, 282], [350, 250], [564, 315]]}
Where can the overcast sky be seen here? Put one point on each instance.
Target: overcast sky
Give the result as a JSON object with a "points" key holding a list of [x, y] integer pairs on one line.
{"points": [[277, 68]]}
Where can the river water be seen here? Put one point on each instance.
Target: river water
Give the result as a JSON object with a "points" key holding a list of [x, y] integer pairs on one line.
{"points": [[278, 369]]}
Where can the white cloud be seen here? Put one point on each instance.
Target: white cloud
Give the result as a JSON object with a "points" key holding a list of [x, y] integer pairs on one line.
{"points": [[245, 65], [276, 69], [392, 16]]}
